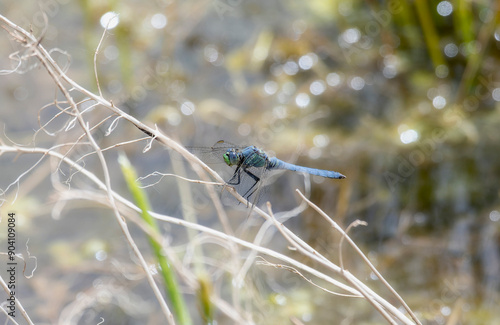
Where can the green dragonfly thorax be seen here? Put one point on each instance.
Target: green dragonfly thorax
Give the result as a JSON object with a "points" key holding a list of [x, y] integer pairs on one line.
{"points": [[250, 156]]}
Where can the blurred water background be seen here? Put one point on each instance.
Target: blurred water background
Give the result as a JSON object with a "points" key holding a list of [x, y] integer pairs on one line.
{"points": [[402, 97]]}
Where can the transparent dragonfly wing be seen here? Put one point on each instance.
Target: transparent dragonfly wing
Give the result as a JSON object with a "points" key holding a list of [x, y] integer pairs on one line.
{"points": [[213, 154]]}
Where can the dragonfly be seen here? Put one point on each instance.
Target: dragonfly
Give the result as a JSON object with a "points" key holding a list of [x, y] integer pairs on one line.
{"points": [[253, 166]]}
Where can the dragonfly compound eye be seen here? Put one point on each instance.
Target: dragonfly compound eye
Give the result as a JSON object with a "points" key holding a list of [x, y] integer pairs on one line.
{"points": [[227, 160]]}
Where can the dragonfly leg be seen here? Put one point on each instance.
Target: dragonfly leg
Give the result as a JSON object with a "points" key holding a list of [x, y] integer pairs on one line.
{"points": [[236, 178], [237, 175], [252, 188]]}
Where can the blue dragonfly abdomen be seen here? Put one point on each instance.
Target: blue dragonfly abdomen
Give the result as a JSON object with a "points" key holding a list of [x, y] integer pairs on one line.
{"points": [[275, 163]]}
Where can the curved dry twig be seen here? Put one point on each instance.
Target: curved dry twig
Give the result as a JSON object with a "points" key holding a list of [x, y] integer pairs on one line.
{"points": [[356, 282]]}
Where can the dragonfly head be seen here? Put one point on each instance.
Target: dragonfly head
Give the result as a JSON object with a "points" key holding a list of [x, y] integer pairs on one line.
{"points": [[231, 157]]}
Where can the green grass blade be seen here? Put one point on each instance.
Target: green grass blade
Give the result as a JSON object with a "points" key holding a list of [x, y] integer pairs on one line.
{"points": [[171, 286]]}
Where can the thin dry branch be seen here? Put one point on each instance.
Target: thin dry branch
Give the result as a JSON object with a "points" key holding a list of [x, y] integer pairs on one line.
{"points": [[360, 253]]}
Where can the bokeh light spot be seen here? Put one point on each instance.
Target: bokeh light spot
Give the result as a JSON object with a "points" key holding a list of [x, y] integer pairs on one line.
{"points": [[291, 68], [389, 71], [302, 100], [494, 215], [333, 79], [271, 87], [409, 136], [451, 50], [314, 153], [442, 71], [351, 35], [317, 87], [159, 21], [109, 20], [496, 94], [187, 108], [439, 102], [444, 8], [321, 140], [307, 61], [244, 129], [357, 83], [210, 53]]}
